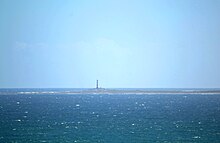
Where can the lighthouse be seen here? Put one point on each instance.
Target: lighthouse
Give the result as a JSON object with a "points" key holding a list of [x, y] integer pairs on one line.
{"points": [[97, 84]]}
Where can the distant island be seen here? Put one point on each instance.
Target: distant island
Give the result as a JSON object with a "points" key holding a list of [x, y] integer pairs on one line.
{"points": [[106, 91]]}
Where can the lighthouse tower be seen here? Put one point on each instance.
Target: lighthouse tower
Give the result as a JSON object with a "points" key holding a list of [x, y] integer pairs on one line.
{"points": [[97, 84]]}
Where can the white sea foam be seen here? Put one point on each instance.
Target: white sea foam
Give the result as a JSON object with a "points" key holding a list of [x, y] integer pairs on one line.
{"points": [[18, 120]]}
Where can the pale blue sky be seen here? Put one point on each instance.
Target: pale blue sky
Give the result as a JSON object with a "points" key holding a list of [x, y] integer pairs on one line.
{"points": [[123, 43]]}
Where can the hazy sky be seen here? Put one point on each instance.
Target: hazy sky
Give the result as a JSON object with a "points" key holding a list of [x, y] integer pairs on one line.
{"points": [[123, 43]]}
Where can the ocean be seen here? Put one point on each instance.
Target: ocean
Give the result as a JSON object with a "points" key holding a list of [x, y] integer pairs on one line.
{"points": [[64, 116]]}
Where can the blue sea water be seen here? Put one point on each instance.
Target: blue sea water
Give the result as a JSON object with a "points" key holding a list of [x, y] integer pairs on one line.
{"points": [[39, 115]]}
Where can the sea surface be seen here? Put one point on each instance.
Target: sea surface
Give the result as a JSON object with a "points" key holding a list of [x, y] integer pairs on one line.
{"points": [[51, 116]]}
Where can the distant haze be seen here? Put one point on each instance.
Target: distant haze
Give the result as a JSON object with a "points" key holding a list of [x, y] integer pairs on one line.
{"points": [[122, 43]]}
